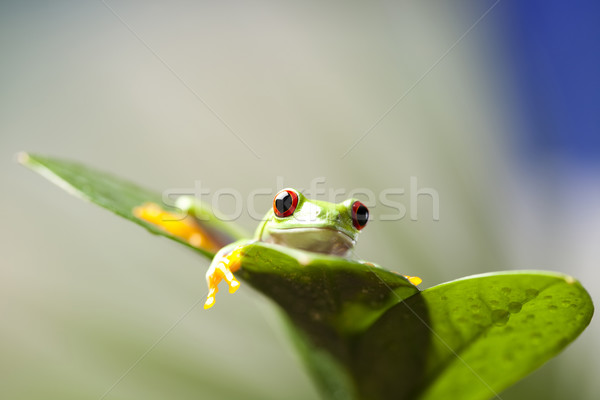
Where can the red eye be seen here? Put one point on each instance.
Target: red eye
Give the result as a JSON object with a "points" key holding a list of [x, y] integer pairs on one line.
{"points": [[360, 215], [284, 204]]}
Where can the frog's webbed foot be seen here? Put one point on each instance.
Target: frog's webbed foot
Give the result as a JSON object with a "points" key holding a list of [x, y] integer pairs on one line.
{"points": [[221, 268], [415, 280]]}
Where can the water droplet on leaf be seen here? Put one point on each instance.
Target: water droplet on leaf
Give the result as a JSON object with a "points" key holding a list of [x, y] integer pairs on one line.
{"points": [[514, 307], [500, 317]]}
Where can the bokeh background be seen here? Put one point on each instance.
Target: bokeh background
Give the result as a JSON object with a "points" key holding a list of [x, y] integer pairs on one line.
{"points": [[496, 108]]}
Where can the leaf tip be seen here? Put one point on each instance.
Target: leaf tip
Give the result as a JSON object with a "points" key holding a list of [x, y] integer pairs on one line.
{"points": [[22, 158]]}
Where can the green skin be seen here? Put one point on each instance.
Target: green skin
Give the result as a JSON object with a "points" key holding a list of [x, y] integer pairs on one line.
{"points": [[316, 226]]}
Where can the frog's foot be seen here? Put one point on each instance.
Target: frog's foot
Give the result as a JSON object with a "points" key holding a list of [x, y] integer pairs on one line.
{"points": [[181, 226], [220, 269], [415, 280]]}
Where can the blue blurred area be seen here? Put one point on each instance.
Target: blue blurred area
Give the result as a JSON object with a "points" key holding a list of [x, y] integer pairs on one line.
{"points": [[554, 46]]}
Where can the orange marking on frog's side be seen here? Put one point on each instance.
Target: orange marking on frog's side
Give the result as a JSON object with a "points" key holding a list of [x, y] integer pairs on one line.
{"points": [[183, 227]]}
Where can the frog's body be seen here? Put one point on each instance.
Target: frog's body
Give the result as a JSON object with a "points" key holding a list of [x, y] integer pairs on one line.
{"points": [[294, 221], [313, 225]]}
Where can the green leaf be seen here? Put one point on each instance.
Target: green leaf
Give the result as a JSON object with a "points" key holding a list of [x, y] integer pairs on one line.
{"points": [[367, 333], [489, 331], [118, 195], [330, 304]]}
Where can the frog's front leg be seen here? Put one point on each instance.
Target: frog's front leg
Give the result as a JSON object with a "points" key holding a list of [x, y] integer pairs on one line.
{"points": [[225, 263]]}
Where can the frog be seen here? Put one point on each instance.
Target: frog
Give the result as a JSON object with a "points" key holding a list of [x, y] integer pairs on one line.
{"points": [[294, 221]]}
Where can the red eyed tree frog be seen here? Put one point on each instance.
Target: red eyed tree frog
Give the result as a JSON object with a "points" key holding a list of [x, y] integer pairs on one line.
{"points": [[294, 221]]}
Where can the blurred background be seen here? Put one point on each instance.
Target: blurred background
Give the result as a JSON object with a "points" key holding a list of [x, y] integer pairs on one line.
{"points": [[492, 104]]}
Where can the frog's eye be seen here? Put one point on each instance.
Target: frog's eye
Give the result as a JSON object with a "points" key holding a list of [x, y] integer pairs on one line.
{"points": [[285, 202], [360, 215]]}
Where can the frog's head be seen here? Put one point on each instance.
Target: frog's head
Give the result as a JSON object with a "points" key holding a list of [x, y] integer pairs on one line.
{"points": [[312, 225]]}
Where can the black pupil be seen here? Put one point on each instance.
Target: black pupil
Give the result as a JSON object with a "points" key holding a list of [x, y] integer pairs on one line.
{"points": [[283, 202], [362, 215]]}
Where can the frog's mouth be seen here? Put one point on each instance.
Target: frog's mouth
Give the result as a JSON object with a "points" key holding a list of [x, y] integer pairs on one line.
{"points": [[318, 240]]}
